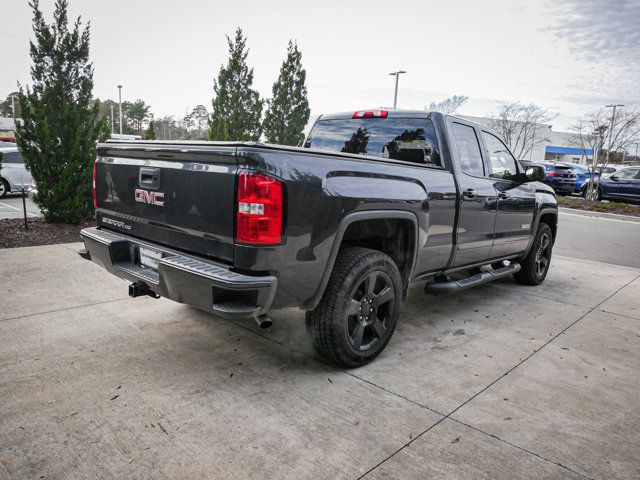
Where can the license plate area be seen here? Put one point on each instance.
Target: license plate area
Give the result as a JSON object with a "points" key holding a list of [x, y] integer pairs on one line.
{"points": [[149, 258]]}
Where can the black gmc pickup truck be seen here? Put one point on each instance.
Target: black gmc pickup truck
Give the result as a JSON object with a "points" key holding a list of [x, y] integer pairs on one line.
{"points": [[374, 201]]}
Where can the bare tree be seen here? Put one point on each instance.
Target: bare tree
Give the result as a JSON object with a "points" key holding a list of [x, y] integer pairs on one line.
{"points": [[618, 128], [448, 105], [521, 126]]}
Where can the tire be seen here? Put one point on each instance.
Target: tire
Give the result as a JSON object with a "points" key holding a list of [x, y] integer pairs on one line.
{"points": [[598, 194], [535, 265], [4, 188], [340, 329]]}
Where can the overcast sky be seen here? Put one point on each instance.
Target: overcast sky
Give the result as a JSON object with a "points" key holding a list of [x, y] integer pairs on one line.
{"points": [[570, 56]]}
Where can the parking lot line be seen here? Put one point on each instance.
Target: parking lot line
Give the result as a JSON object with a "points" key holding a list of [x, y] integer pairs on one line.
{"points": [[10, 206]]}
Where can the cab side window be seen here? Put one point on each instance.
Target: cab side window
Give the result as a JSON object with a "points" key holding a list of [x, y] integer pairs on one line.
{"points": [[469, 154], [501, 162]]}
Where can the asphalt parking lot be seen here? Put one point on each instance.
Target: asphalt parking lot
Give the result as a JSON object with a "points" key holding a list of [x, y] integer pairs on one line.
{"points": [[11, 207], [502, 381]]}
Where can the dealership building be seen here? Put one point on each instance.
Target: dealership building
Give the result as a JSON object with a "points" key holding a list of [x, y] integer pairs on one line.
{"points": [[553, 146]]}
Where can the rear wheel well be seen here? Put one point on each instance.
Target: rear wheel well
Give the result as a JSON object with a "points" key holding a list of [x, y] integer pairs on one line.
{"points": [[550, 219], [393, 236]]}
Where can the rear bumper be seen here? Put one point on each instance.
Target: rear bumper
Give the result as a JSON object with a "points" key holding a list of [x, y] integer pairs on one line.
{"points": [[563, 186], [183, 278]]}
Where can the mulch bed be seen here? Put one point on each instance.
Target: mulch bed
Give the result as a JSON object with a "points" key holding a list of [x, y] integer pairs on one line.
{"points": [[603, 206], [13, 234]]}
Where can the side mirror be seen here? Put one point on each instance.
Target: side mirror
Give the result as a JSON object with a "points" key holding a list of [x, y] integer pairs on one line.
{"points": [[535, 173], [613, 177]]}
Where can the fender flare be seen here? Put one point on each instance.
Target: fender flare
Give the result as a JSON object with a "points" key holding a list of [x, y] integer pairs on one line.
{"points": [[337, 242], [536, 222]]}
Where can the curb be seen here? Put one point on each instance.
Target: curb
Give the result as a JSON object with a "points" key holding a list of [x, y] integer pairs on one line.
{"points": [[587, 213]]}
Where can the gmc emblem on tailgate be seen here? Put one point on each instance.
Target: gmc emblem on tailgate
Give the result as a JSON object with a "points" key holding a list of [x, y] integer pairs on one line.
{"points": [[152, 198]]}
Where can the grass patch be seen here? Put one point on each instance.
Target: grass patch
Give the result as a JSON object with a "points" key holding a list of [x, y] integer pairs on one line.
{"points": [[603, 206]]}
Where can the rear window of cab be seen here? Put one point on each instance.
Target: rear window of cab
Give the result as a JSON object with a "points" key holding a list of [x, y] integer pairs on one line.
{"points": [[407, 139]]}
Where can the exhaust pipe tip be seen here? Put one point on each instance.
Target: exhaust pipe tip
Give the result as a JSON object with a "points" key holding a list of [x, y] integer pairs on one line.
{"points": [[264, 321]]}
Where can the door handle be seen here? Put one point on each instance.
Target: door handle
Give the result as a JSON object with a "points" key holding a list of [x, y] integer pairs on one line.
{"points": [[503, 195], [469, 193]]}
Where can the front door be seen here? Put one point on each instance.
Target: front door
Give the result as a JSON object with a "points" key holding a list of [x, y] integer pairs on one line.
{"points": [[478, 199], [633, 191], [516, 200], [621, 183]]}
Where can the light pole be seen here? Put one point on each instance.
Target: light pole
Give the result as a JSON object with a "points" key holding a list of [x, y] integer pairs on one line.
{"points": [[13, 107], [111, 119], [613, 116], [120, 107], [395, 95]]}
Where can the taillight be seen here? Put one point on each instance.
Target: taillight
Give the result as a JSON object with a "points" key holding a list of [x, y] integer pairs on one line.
{"points": [[95, 195], [553, 174], [260, 209], [371, 114]]}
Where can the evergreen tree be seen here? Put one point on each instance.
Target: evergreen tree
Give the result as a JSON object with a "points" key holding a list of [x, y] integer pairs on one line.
{"points": [[288, 111], [237, 108], [60, 121], [150, 134], [136, 113]]}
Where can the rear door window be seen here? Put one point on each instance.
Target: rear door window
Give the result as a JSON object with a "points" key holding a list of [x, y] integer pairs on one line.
{"points": [[627, 173], [468, 147], [408, 139]]}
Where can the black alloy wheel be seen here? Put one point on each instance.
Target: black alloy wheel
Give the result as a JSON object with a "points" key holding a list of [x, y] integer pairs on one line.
{"points": [[543, 255], [369, 311]]}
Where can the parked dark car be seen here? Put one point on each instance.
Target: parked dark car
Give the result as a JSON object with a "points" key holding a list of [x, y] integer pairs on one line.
{"points": [[560, 177], [621, 185], [375, 201]]}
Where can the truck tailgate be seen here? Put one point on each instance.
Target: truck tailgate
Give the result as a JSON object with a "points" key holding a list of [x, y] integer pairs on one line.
{"points": [[181, 197]]}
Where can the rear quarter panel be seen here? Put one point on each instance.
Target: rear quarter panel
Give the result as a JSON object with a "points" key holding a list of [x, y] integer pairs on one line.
{"points": [[322, 190]]}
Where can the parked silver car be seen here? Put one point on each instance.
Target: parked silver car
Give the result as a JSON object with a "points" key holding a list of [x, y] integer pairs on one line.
{"points": [[14, 175]]}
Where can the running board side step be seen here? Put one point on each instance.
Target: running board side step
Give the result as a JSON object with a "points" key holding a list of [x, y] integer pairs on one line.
{"points": [[478, 279]]}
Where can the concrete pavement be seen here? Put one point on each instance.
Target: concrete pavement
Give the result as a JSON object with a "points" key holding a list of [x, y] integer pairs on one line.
{"points": [[502, 381]]}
